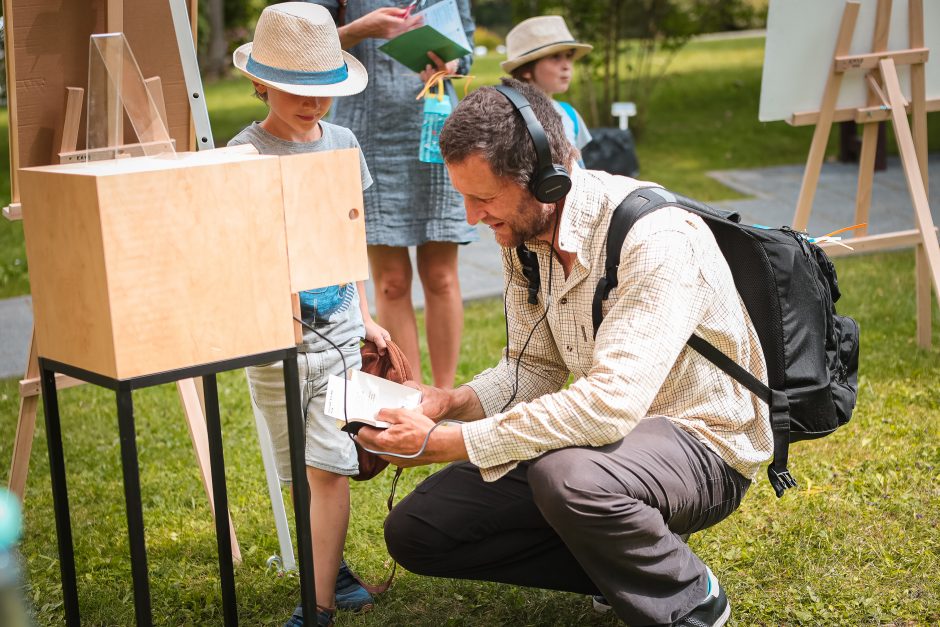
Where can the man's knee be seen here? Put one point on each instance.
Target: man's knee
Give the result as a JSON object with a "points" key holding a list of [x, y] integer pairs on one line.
{"points": [[413, 542], [571, 490]]}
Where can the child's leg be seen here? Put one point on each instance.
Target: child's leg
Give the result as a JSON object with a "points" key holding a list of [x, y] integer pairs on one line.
{"points": [[329, 518]]}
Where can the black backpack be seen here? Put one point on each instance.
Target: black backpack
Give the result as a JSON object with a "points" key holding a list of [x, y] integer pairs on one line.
{"points": [[789, 288]]}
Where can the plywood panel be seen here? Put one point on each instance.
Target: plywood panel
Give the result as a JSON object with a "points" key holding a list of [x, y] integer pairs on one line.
{"points": [[198, 271], [158, 264], [67, 270], [323, 208]]}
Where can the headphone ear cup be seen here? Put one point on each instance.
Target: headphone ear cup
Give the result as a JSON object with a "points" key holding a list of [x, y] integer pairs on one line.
{"points": [[552, 184]]}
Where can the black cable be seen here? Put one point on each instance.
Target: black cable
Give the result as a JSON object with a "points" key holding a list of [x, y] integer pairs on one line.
{"points": [[346, 398], [548, 302]]}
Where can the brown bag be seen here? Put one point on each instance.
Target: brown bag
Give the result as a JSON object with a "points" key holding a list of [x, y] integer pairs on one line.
{"points": [[394, 366]]}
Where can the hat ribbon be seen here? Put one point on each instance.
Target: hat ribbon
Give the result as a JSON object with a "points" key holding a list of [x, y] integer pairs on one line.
{"points": [[295, 77]]}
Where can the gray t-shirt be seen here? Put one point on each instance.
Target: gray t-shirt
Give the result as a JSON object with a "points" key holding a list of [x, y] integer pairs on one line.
{"points": [[333, 311]]}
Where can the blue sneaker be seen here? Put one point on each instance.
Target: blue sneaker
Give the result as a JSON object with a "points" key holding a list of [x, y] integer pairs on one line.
{"points": [[350, 595], [324, 617]]}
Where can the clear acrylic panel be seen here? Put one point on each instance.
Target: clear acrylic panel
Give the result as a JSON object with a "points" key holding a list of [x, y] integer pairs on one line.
{"points": [[116, 87]]}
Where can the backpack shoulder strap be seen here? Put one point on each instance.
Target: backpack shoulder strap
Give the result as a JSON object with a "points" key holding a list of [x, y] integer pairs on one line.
{"points": [[571, 114], [637, 204]]}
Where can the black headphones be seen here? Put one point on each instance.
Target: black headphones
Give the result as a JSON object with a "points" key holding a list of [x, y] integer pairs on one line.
{"points": [[550, 182]]}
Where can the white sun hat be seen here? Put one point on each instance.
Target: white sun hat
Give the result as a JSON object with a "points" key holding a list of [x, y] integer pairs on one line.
{"points": [[296, 49], [539, 37]]}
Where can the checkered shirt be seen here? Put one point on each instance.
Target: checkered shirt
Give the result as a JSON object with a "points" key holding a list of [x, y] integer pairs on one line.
{"points": [[673, 281]]}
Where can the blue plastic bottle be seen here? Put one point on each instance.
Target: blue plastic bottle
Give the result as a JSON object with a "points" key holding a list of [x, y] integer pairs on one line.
{"points": [[12, 607], [436, 109]]}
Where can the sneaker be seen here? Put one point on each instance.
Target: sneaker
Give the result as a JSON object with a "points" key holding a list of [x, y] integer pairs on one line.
{"points": [[601, 604], [714, 611], [324, 617], [350, 595]]}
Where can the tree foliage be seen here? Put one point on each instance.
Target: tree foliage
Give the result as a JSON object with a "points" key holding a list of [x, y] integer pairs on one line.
{"points": [[634, 42]]}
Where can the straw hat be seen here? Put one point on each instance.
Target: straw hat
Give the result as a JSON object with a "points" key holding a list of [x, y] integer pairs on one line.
{"points": [[296, 49], [539, 37]]}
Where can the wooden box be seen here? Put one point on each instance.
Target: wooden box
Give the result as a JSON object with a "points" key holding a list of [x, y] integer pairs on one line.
{"points": [[144, 265]]}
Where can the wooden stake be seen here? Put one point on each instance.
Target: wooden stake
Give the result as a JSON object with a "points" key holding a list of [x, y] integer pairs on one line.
{"points": [[866, 158]]}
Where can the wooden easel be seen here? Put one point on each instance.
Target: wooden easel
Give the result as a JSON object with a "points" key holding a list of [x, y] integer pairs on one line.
{"points": [[885, 101], [29, 387]]}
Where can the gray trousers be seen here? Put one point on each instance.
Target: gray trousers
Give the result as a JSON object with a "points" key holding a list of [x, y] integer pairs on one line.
{"points": [[587, 520]]}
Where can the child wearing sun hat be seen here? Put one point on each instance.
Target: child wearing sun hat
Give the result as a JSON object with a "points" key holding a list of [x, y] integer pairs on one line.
{"points": [[542, 51], [297, 66]]}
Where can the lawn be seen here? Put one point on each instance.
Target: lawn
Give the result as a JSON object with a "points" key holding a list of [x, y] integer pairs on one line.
{"points": [[856, 544]]}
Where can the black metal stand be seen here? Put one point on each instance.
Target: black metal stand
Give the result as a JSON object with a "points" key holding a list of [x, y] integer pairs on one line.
{"points": [[135, 516]]}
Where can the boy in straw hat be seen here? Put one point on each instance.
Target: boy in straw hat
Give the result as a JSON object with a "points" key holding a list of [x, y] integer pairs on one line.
{"points": [[541, 51], [297, 67]]}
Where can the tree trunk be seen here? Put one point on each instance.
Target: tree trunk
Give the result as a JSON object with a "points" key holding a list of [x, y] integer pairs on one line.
{"points": [[217, 52]]}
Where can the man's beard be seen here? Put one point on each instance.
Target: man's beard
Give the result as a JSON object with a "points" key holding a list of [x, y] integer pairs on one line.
{"points": [[533, 219]]}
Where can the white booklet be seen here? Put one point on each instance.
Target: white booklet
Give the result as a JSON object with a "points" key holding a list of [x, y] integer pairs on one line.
{"points": [[444, 17], [364, 395]]}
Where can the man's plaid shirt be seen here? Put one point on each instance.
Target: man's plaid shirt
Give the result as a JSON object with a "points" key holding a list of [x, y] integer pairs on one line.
{"points": [[673, 280]]}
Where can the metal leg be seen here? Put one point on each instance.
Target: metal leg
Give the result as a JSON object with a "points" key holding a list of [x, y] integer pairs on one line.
{"points": [[60, 496], [217, 464], [135, 512], [295, 436]]}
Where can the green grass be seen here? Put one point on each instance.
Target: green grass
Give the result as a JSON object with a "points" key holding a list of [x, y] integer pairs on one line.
{"points": [[857, 544]]}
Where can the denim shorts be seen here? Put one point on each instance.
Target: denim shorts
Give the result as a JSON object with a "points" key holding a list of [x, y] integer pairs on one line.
{"points": [[326, 447]]}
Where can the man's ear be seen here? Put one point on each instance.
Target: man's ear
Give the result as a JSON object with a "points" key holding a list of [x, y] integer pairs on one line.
{"points": [[259, 87]]}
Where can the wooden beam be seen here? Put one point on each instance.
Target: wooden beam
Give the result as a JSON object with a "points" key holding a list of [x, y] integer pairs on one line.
{"points": [[805, 118], [867, 61], [918, 87], [817, 150], [875, 96], [31, 386], [915, 183], [874, 243]]}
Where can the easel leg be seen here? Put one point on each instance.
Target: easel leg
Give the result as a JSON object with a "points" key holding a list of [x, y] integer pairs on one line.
{"points": [[912, 172], [866, 173], [817, 150], [192, 407], [924, 303], [25, 429], [274, 491]]}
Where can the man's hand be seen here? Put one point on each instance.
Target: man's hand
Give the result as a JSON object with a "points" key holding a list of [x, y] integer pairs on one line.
{"points": [[407, 435], [438, 64], [384, 23]]}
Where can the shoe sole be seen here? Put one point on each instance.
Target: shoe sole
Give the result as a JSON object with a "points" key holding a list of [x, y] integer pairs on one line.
{"points": [[600, 608], [724, 616]]}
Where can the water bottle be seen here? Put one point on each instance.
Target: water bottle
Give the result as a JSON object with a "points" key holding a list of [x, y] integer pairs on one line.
{"points": [[436, 109], [12, 608]]}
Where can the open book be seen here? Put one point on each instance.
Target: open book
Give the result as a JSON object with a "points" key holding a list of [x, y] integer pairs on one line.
{"points": [[364, 395], [442, 34]]}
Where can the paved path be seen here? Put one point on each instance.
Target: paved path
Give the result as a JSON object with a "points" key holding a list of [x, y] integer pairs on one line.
{"points": [[772, 200]]}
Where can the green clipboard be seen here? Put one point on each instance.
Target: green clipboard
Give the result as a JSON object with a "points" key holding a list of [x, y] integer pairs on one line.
{"points": [[411, 48]]}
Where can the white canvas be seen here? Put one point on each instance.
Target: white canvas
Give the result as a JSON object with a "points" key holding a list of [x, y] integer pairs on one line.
{"points": [[801, 41]]}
